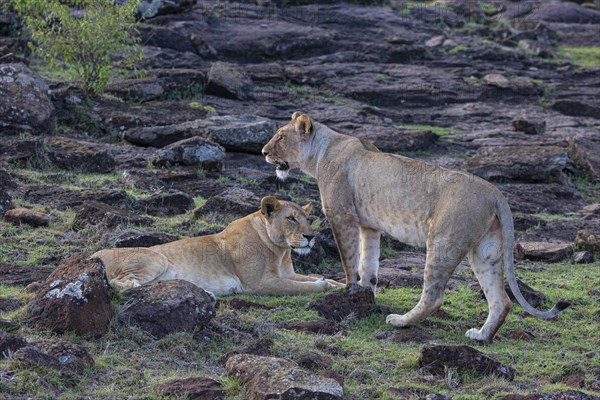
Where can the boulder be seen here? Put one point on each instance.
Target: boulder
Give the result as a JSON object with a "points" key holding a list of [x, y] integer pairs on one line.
{"points": [[588, 240], [63, 356], [497, 80], [74, 298], [244, 133], [152, 8], [194, 388], [436, 358], [133, 238], [99, 214], [193, 151], [7, 187], [165, 307], [586, 153], [71, 154], [172, 203], [355, 301], [229, 81], [520, 163], [565, 12], [26, 216], [234, 202], [543, 251], [9, 344], [269, 378], [25, 104]]}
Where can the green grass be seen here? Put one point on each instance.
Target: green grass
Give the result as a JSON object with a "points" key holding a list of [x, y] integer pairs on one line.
{"points": [[129, 364], [457, 49], [555, 217], [586, 57], [438, 130]]}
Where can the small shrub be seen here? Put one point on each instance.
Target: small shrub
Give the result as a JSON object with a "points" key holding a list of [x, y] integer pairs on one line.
{"points": [[83, 34]]}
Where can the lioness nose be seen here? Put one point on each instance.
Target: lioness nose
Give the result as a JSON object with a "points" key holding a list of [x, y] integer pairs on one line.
{"points": [[308, 237], [265, 153]]}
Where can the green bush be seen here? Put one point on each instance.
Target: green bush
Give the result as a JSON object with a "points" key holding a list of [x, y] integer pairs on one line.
{"points": [[96, 38]]}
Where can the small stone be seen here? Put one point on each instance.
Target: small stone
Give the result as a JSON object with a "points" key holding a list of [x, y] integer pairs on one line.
{"points": [[496, 80], [355, 300], [584, 257], [529, 127], [592, 209], [22, 215], [437, 358], [543, 251], [435, 41]]}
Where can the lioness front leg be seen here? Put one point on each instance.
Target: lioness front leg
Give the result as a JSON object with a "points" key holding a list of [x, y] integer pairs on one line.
{"points": [[346, 234], [369, 257], [284, 286]]}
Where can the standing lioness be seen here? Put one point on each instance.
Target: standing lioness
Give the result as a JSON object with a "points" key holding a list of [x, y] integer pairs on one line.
{"points": [[364, 192], [252, 255]]}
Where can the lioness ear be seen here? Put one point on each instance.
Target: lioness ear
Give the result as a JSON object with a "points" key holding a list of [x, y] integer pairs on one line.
{"points": [[269, 205], [295, 116], [303, 125], [308, 208]]}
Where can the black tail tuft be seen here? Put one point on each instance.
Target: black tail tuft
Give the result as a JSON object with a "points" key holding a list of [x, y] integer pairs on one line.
{"points": [[561, 305]]}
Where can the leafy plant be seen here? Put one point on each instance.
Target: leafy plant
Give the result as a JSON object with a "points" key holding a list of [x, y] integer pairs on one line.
{"points": [[87, 35]]}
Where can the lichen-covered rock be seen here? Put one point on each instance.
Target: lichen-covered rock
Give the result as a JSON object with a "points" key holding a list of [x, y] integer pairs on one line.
{"points": [[63, 356], [355, 300], [21, 215], [24, 102], [588, 240], [165, 307], [276, 378], [436, 358], [74, 298], [193, 151]]}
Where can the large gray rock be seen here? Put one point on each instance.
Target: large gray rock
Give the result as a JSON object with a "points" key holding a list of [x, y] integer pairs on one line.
{"points": [[245, 133], [276, 378], [543, 251], [229, 81], [520, 163], [234, 202], [165, 307], [193, 151], [24, 102], [74, 298]]}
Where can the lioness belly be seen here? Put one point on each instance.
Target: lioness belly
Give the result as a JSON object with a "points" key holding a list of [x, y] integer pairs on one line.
{"points": [[216, 283]]}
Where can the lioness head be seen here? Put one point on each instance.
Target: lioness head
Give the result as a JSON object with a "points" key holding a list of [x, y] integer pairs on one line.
{"points": [[289, 144], [288, 225]]}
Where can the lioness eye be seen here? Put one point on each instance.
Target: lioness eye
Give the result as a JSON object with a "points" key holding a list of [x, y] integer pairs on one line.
{"points": [[291, 219]]}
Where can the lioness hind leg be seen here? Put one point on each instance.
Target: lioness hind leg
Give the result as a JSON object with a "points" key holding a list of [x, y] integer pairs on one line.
{"points": [[369, 257], [442, 259], [486, 260], [130, 267]]}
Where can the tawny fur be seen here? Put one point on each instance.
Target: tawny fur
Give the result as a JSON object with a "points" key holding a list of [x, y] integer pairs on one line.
{"points": [[454, 214], [252, 255]]}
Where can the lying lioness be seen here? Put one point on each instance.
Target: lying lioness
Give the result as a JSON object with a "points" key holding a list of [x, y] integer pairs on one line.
{"points": [[364, 192], [252, 255]]}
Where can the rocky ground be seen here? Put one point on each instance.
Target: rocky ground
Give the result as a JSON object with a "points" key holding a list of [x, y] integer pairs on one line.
{"points": [[507, 90]]}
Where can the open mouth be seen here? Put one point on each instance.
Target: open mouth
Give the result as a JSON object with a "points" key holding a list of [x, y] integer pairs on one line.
{"points": [[282, 165]]}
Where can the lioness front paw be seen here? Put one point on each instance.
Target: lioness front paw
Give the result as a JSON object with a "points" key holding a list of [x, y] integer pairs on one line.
{"points": [[396, 320]]}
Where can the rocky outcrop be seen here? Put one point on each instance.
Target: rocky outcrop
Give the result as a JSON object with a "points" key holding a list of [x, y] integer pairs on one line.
{"points": [[245, 133], [229, 81], [25, 104], [269, 377], [165, 307], [74, 298], [193, 151], [21, 215], [437, 358]]}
